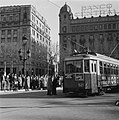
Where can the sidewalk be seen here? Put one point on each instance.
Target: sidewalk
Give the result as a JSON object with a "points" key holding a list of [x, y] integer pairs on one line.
{"points": [[18, 91], [23, 91]]}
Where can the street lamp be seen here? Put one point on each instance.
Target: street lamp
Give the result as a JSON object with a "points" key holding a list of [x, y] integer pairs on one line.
{"points": [[22, 56]]}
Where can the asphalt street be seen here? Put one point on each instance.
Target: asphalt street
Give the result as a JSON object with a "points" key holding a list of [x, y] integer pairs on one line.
{"points": [[36, 105]]}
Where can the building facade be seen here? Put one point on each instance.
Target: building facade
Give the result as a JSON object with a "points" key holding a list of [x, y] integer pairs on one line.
{"points": [[15, 22], [98, 34]]}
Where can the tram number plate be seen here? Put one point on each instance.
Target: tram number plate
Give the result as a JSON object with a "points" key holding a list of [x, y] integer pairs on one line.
{"points": [[68, 76], [78, 77]]}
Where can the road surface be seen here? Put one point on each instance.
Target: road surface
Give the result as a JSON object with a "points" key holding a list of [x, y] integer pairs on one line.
{"points": [[36, 105]]}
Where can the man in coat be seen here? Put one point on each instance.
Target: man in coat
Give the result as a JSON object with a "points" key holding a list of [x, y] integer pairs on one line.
{"points": [[49, 85]]}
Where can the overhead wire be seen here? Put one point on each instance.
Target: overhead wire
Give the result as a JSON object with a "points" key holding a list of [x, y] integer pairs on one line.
{"points": [[54, 3]]}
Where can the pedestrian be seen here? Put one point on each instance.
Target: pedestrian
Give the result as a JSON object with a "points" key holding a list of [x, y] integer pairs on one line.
{"points": [[7, 83], [45, 81], [20, 81], [15, 82], [11, 81], [25, 83], [28, 82], [4, 82], [42, 83], [54, 85], [49, 85]]}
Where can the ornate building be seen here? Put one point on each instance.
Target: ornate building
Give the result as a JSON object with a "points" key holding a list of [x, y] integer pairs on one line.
{"points": [[99, 34], [15, 22]]}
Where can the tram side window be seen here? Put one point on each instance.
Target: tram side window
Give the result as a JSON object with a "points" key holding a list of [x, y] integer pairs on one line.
{"points": [[101, 68], [112, 69], [108, 68], [105, 68], [78, 65], [94, 67], [116, 70], [69, 67], [86, 66]]}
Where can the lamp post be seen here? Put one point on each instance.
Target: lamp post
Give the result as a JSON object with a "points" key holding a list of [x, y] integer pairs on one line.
{"points": [[22, 53]]}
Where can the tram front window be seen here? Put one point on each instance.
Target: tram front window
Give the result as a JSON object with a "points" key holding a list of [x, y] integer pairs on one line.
{"points": [[74, 66]]}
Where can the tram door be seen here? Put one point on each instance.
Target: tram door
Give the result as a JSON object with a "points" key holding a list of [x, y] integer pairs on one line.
{"points": [[93, 70]]}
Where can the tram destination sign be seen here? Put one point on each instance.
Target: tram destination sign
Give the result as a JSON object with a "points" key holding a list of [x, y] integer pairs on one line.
{"points": [[96, 10]]}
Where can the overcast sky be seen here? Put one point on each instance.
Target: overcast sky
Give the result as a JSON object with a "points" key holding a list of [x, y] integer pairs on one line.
{"points": [[50, 9]]}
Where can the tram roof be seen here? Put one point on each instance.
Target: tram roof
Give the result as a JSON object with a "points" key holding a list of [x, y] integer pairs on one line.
{"points": [[92, 55]]}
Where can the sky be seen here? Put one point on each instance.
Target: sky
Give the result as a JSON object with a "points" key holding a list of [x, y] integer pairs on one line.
{"points": [[50, 9]]}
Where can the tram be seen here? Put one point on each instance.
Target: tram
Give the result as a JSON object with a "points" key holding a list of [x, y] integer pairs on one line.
{"points": [[90, 73]]}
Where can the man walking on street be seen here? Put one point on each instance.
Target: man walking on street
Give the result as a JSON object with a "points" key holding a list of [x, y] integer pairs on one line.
{"points": [[49, 85]]}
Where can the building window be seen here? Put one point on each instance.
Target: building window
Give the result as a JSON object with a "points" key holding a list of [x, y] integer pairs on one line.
{"points": [[73, 42], [43, 39], [91, 27], [33, 18], [24, 30], [64, 29], [117, 37], [73, 38], [2, 40], [16, 17], [82, 28], [40, 24], [91, 37], [100, 27], [114, 26], [82, 39], [10, 17], [74, 28], [105, 26], [37, 35], [37, 22], [118, 25], [64, 16], [2, 17], [46, 30], [46, 41], [9, 39], [14, 32], [40, 37], [109, 26], [96, 27], [33, 32], [64, 46], [3, 32], [91, 41], [9, 32], [101, 38], [25, 15], [3, 24], [86, 27], [64, 39], [110, 37], [14, 39]]}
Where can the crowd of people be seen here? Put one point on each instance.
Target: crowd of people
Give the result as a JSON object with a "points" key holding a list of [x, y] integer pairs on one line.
{"points": [[16, 82]]}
